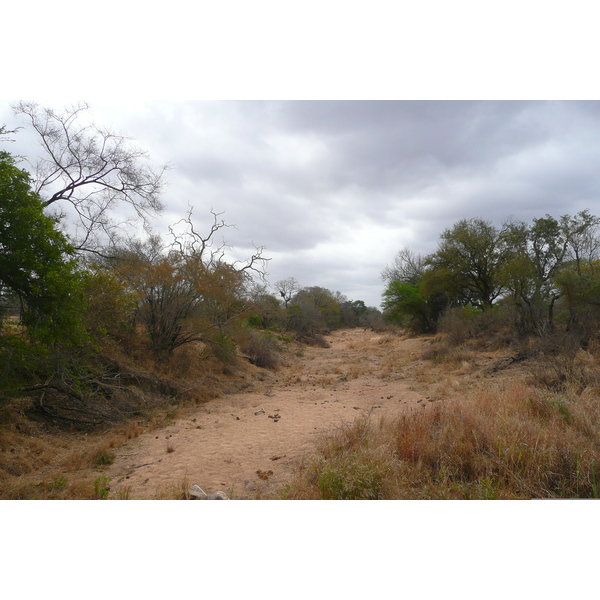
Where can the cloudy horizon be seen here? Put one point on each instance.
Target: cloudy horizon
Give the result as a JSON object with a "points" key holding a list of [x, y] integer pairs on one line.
{"points": [[333, 189]]}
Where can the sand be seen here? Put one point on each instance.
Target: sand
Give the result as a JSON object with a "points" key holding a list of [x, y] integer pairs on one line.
{"points": [[247, 444]]}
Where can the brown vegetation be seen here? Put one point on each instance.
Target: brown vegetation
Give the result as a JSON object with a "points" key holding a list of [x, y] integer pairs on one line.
{"points": [[498, 421], [530, 429], [43, 456]]}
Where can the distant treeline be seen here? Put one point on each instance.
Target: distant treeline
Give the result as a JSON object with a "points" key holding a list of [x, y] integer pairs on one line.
{"points": [[536, 275]]}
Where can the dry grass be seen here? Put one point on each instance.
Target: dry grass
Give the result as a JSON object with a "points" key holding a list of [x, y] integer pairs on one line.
{"points": [[566, 367], [130, 431], [53, 487], [531, 435], [39, 461], [177, 491], [355, 371], [392, 364], [511, 441]]}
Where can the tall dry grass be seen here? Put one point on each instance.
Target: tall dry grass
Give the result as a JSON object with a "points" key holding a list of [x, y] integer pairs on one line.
{"points": [[512, 441], [353, 463]]}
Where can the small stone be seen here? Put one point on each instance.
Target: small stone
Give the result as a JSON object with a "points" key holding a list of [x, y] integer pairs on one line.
{"points": [[219, 495], [197, 492]]}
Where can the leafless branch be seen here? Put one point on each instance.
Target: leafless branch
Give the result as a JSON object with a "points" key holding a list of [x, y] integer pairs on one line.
{"points": [[91, 170], [190, 242]]}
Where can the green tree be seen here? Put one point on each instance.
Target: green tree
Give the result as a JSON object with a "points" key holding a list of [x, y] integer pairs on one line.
{"points": [[467, 264], [535, 256], [534, 269], [320, 306], [415, 293], [405, 305], [36, 264]]}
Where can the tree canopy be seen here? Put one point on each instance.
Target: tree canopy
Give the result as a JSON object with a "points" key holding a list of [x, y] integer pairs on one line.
{"points": [[36, 267], [467, 263], [532, 268]]}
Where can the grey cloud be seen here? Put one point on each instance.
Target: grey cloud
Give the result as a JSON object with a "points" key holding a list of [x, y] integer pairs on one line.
{"points": [[334, 189]]}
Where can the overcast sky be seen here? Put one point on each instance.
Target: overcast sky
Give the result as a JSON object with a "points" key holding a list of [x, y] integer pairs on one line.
{"points": [[333, 189]]}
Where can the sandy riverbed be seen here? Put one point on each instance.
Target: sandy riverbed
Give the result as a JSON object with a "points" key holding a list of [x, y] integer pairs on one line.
{"points": [[247, 444]]}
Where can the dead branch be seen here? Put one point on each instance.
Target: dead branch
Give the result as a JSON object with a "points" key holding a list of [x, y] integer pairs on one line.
{"points": [[92, 171]]}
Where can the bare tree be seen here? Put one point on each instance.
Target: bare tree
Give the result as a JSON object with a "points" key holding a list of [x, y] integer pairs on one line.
{"points": [[88, 173], [582, 231], [188, 242], [407, 266], [287, 289], [6, 132]]}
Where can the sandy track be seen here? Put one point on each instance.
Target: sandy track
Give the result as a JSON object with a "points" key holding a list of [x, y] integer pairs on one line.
{"points": [[224, 443]]}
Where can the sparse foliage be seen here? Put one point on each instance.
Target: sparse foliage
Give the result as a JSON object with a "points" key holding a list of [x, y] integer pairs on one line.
{"points": [[407, 266], [267, 311], [314, 309], [287, 289], [89, 174], [187, 290], [537, 259]]}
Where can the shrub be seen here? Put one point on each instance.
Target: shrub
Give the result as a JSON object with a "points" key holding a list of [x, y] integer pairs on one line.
{"points": [[492, 327], [103, 458], [261, 349], [223, 348], [314, 339], [456, 323], [563, 364], [359, 476], [254, 320], [102, 487], [350, 465]]}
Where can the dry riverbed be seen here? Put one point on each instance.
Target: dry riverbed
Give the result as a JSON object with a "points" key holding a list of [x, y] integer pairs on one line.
{"points": [[247, 444]]}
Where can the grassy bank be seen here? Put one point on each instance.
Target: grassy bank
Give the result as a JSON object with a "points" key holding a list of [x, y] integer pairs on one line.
{"points": [[535, 435]]}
